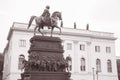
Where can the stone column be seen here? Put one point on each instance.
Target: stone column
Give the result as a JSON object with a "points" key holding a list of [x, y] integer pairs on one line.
{"points": [[76, 57]]}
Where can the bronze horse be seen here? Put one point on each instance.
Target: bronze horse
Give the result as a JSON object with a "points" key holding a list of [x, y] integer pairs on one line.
{"points": [[49, 22]]}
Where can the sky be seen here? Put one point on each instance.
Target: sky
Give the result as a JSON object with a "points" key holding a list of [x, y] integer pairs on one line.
{"points": [[101, 15]]}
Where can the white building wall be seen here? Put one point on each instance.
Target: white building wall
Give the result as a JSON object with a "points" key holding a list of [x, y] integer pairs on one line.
{"points": [[17, 50], [76, 38], [7, 61], [103, 56]]}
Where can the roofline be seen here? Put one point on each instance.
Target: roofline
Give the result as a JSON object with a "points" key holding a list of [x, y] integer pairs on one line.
{"points": [[64, 32], [65, 28], [6, 47], [9, 33]]}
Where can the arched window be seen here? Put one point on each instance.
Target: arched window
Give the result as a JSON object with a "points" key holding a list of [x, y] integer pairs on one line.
{"points": [[82, 64], [20, 62], [98, 65], [109, 66], [69, 61]]}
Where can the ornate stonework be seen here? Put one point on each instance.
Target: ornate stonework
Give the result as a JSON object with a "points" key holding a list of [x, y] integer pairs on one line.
{"points": [[46, 58]]}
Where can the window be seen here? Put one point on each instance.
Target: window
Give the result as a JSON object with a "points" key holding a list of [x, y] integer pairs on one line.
{"points": [[69, 61], [109, 66], [97, 48], [108, 49], [20, 63], [82, 47], [82, 64], [98, 65], [69, 46], [22, 43]]}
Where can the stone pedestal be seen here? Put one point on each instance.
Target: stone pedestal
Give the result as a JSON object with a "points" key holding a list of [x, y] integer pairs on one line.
{"points": [[46, 61], [46, 76]]}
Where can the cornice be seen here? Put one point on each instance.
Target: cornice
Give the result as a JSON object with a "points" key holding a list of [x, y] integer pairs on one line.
{"points": [[65, 31]]}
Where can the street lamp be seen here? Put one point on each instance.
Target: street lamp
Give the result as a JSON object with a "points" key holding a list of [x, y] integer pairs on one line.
{"points": [[97, 73], [93, 73], [93, 69]]}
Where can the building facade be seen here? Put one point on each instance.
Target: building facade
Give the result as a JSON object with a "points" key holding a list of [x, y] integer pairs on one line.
{"points": [[91, 53], [118, 66]]}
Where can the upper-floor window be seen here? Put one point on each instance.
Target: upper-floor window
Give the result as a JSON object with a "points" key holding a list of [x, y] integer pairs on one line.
{"points": [[109, 66], [108, 49], [69, 46], [22, 43], [82, 47], [82, 64], [98, 65], [97, 48]]}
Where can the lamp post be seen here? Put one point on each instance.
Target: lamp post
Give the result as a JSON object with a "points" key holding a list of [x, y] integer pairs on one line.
{"points": [[97, 71], [93, 73], [97, 74]]}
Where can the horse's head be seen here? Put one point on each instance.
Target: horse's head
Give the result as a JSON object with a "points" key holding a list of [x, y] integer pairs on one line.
{"points": [[58, 14]]}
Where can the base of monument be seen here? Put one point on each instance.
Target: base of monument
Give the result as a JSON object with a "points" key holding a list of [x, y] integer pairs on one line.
{"points": [[35, 75]]}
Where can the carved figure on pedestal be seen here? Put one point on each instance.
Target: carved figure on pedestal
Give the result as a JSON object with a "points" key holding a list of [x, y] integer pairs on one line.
{"points": [[43, 65], [33, 65], [54, 66], [38, 64], [48, 65], [58, 65], [27, 66]]}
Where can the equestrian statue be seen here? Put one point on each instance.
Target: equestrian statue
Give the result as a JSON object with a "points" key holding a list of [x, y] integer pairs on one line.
{"points": [[46, 20]]}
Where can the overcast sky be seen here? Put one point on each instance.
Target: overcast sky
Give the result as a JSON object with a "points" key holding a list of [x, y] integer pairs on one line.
{"points": [[102, 15]]}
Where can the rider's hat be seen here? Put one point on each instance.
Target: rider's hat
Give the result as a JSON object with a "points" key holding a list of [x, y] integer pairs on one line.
{"points": [[48, 7]]}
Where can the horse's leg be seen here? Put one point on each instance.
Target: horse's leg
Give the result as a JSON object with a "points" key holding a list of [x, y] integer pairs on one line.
{"points": [[35, 29], [52, 30], [59, 29], [40, 31]]}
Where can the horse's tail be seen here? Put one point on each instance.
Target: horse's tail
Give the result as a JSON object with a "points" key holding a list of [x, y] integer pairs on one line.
{"points": [[31, 20]]}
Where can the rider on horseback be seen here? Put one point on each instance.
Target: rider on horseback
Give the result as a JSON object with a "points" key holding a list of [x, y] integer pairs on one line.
{"points": [[46, 11], [46, 20], [46, 15]]}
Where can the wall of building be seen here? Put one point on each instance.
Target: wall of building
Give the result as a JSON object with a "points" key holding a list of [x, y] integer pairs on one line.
{"points": [[74, 37]]}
